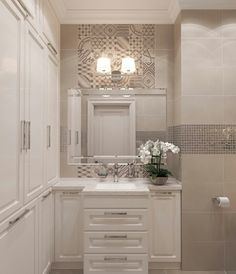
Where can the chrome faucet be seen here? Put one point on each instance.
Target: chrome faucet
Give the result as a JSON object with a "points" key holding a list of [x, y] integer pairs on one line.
{"points": [[116, 173]]}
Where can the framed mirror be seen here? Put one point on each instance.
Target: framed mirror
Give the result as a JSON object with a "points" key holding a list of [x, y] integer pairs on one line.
{"points": [[110, 124]]}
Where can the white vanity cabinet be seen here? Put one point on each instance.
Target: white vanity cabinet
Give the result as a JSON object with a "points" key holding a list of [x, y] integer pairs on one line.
{"points": [[11, 108], [115, 233], [165, 227], [46, 231], [19, 241], [68, 226]]}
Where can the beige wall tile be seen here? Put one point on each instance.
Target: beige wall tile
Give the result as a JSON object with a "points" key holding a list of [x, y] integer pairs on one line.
{"points": [[202, 227], [164, 69], [228, 24], [230, 168], [202, 110], [203, 256], [204, 23], [197, 196], [164, 36], [202, 168], [230, 261], [230, 192], [229, 52], [202, 80], [69, 36], [200, 52], [230, 227], [229, 80], [230, 109]]}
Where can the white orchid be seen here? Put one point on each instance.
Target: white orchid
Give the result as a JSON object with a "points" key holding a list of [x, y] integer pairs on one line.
{"points": [[156, 149], [154, 154]]}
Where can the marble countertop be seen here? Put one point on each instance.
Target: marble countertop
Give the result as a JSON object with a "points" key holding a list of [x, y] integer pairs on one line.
{"points": [[88, 184]]}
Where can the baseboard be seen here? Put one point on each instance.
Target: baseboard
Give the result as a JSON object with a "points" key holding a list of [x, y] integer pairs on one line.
{"points": [[65, 265], [153, 266]]}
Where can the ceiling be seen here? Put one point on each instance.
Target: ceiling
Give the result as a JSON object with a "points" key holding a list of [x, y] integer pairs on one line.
{"points": [[130, 11]]}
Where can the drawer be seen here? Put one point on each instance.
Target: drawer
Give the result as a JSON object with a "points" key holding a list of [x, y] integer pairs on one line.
{"points": [[115, 219], [115, 264], [115, 201], [115, 242]]}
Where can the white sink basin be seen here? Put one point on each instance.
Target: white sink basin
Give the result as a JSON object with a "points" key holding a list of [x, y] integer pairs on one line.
{"points": [[115, 186]]}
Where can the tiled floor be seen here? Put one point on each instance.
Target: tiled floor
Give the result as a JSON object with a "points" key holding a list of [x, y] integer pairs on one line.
{"points": [[151, 272]]}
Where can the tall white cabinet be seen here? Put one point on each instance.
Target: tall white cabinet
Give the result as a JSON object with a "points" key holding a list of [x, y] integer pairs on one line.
{"points": [[35, 78], [11, 108], [29, 72]]}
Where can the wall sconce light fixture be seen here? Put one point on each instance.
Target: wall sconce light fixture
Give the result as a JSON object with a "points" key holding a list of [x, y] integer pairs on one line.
{"points": [[127, 67]]}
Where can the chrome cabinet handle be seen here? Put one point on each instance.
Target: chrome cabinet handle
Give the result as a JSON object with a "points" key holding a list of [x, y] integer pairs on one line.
{"points": [[52, 49], [48, 136], [115, 259], [24, 8], [115, 213], [13, 222], [69, 137], [46, 195], [115, 236], [28, 135], [23, 135], [77, 137]]}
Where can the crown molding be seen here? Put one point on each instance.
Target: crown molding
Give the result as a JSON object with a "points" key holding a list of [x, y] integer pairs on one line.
{"points": [[173, 10], [135, 16], [59, 8], [116, 17], [207, 4]]}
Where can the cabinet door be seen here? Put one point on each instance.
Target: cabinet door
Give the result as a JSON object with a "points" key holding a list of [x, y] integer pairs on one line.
{"points": [[19, 242], [52, 120], [68, 227], [50, 26], [11, 108], [35, 55], [46, 232], [165, 227]]}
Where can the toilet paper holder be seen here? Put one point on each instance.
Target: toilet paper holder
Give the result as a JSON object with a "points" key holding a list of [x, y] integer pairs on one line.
{"points": [[221, 201]]}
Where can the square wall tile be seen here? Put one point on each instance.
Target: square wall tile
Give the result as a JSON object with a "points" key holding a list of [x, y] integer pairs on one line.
{"points": [[202, 110], [206, 256], [202, 227], [197, 196], [202, 168]]}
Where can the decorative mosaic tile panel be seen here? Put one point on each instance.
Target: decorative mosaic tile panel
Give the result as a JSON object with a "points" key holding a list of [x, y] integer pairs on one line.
{"points": [[204, 139], [89, 171], [116, 41]]}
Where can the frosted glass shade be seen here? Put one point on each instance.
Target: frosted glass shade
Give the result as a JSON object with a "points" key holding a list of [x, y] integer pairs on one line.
{"points": [[104, 65], [128, 65]]}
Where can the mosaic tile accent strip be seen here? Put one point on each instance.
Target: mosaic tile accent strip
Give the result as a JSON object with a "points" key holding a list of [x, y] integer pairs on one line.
{"points": [[89, 171], [204, 139], [116, 41]]}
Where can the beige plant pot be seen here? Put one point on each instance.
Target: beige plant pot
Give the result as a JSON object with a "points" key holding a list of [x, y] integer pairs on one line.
{"points": [[159, 180]]}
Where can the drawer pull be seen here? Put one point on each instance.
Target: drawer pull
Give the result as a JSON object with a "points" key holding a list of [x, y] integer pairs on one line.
{"points": [[46, 195], [115, 236], [115, 259], [115, 213], [70, 192], [11, 223]]}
